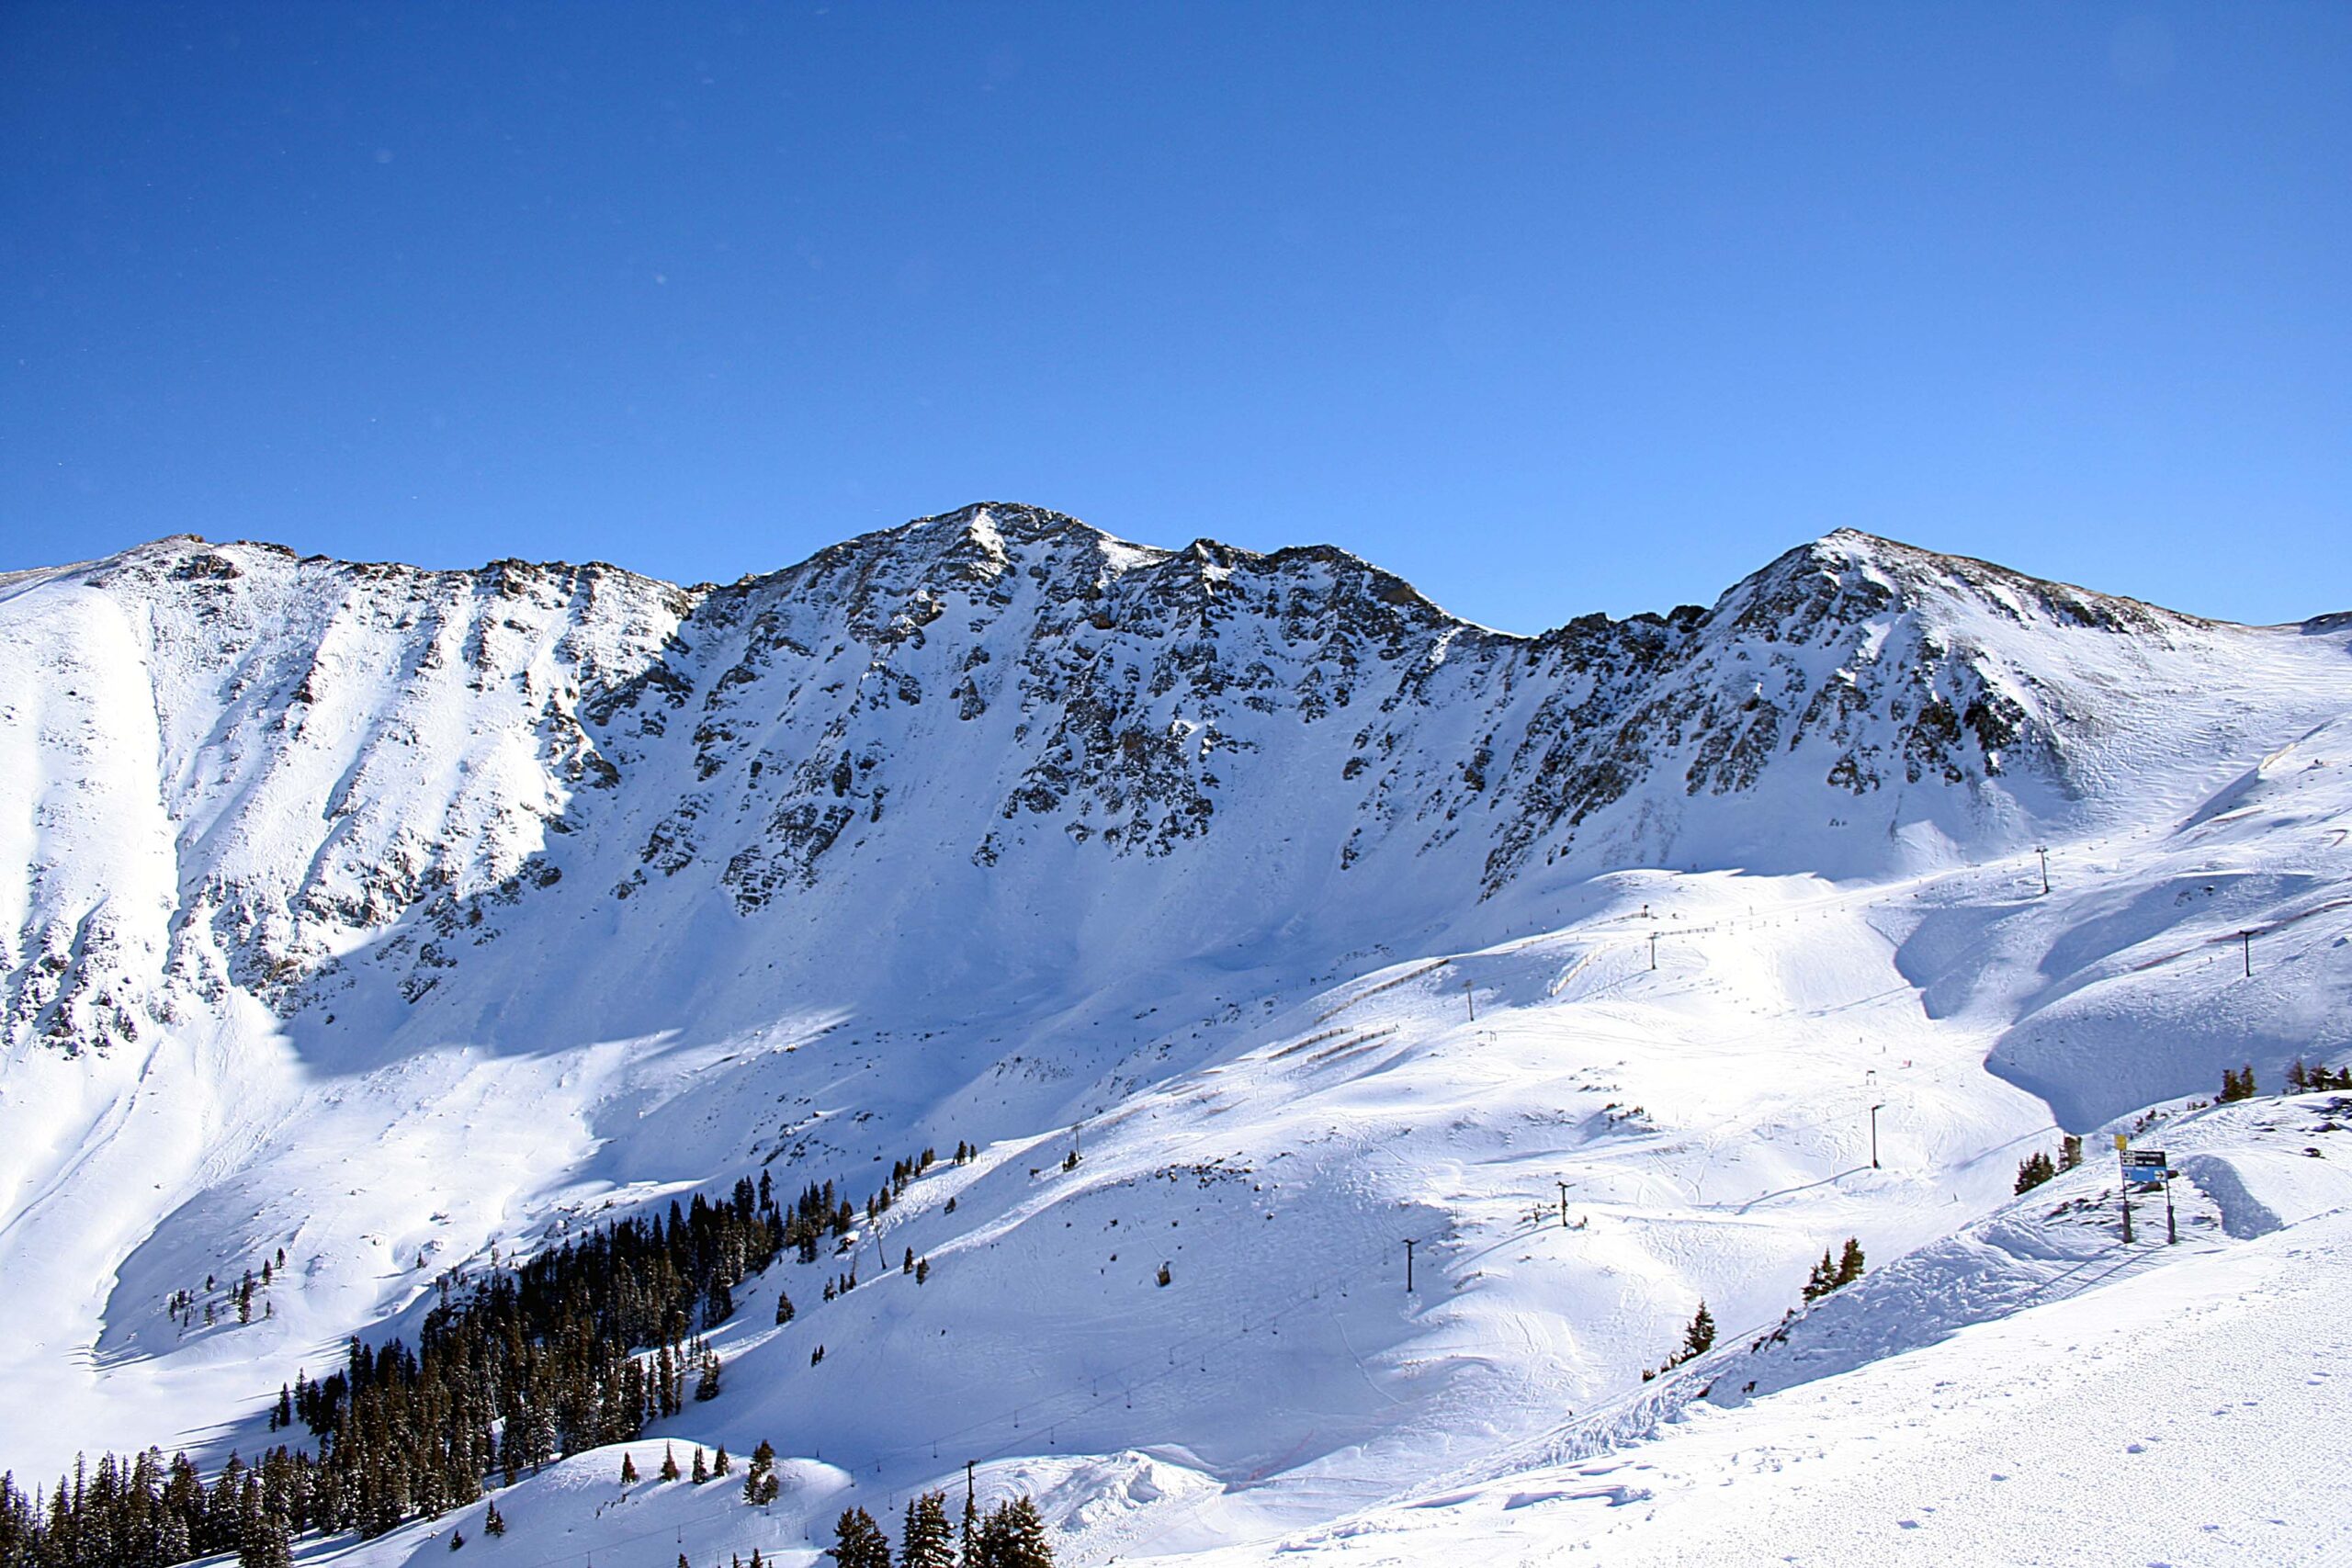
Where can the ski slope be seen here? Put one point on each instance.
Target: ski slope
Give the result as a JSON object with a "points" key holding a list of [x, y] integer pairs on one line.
{"points": [[2160, 1402]]}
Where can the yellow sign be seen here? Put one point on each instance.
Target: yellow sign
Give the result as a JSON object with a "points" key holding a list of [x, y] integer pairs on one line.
{"points": [[2122, 1140]]}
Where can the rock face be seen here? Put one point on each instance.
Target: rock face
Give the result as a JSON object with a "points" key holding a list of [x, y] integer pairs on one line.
{"points": [[235, 776]]}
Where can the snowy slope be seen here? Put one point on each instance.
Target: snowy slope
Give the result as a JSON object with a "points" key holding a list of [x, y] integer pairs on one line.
{"points": [[381, 915], [2030, 1391]]}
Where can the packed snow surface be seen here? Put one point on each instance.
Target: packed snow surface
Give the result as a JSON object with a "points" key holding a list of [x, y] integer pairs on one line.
{"points": [[384, 916]]}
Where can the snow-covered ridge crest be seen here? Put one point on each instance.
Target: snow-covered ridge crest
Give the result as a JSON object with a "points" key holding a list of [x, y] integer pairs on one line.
{"points": [[238, 770]]}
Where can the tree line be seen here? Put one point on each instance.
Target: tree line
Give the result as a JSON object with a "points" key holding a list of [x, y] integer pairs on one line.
{"points": [[580, 1346], [1010, 1535]]}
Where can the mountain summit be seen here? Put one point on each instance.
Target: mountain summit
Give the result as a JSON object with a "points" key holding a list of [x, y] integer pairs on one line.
{"points": [[246, 774]]}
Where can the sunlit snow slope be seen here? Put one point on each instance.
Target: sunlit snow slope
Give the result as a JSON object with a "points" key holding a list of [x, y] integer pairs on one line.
{"points": [[380, 915]]}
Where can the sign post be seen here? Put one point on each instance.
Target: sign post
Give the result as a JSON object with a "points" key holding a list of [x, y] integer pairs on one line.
{"points": [[2122, 1153], [2148, 1166]]}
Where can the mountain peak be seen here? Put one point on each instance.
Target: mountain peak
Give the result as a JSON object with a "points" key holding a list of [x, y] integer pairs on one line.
{"points": [[1848, 573]]}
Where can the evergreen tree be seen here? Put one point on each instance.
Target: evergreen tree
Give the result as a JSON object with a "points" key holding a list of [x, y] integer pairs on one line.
{"points": [[1849, 1265], [669, 1463], [2033, 1171], [858, 1541], [783, 1308], [927, 1540], [1013, 1536], [493, 1523], [1700, 1336], [263, 1541], [722, 1465], [1823, 1279], [761, 1482], [702, 1466], [2070, 1152], [628, 1469], [706, 1386]]}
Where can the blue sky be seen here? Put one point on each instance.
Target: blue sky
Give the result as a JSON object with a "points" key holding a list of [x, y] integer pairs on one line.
{"points": [[1550, 307]]}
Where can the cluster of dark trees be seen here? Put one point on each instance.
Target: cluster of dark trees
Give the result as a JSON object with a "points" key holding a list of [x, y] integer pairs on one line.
{"points": [[144, 1513], [181, 1305], [2037, 1168], [2302, 1079], [1010, 1535], [822, 1212], [1829, 1276], [512, 1367]]}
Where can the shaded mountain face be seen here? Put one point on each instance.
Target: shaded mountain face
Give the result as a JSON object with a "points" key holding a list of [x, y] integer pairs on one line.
{"points": [[964, 752]]}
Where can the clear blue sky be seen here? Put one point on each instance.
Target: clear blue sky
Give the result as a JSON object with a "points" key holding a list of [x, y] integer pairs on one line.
{"points": [[1550, 307]]}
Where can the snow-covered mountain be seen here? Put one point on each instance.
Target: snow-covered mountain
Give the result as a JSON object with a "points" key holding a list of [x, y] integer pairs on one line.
{"points": [[246, 774], [380, 914]]}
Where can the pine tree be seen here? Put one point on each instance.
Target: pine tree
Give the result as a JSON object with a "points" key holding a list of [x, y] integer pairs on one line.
{"points": [[702, 1466], [761, 1482], [722, 1465], [1013, 1536], [858, 1541], [1823, 1279], [706, 1386], [927, 1539], [669, 1463], [628, 1469], [1700, 1337], [2298, 1078], [2033, 1171], [783, 1308], [493, 1523], [1849, 1265], [2070, 1152], [264, 1542]]}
